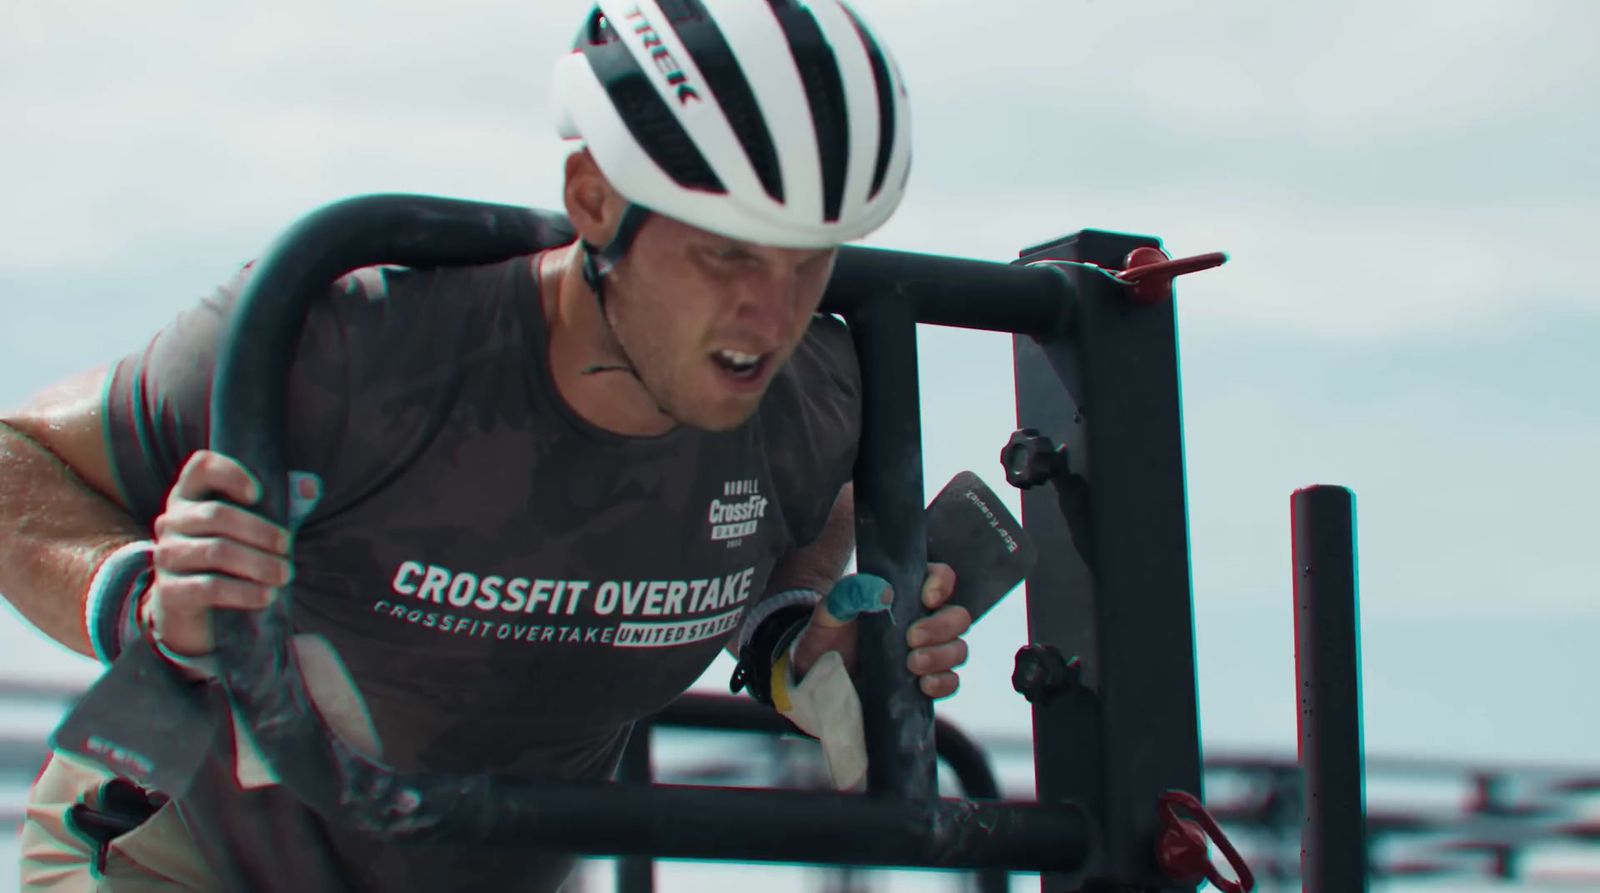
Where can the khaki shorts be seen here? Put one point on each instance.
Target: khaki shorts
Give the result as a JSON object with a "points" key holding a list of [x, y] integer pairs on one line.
{"points": [[157, 855], [161, 855]]}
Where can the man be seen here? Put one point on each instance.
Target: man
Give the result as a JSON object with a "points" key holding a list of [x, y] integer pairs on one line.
{"points": [[535, 497]]}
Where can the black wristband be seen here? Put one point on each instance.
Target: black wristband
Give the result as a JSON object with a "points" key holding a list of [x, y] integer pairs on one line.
{"points": [[768, 643], [113, 598]]}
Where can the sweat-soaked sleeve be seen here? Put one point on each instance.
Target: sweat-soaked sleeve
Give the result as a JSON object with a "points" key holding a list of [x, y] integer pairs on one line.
{"points": [[812, 427], [158, 400]]}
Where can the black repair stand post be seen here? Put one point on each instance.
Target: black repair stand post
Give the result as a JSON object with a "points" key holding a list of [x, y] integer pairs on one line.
{"points": [[1327, 647], [1121, 728], [891, 535], [637, 874], [884, 295]]}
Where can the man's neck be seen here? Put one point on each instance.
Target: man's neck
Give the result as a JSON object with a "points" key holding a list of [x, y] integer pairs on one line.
{"points": [[580, 342]]}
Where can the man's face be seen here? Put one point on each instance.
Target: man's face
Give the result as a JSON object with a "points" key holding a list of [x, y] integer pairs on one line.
{"points": [[709, 320]]}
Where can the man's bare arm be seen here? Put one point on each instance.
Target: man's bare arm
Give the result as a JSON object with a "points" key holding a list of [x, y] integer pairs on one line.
{"points": [[59, 509], [817, 566]]}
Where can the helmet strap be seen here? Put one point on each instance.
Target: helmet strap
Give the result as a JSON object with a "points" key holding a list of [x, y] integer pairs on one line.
{"points": [[601, 262]]}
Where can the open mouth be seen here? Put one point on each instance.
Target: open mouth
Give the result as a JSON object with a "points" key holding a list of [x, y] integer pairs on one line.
{"points": [[740, 366]]}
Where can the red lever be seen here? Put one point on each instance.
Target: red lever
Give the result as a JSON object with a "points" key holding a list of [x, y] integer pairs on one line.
{"points": [[1149, 272], [1181, 846]]}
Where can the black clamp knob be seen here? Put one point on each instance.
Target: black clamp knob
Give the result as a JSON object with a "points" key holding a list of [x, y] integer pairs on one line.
{"points": [[1030, 459], [1042, 673]]}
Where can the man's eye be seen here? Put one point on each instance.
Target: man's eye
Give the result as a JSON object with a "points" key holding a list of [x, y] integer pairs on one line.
{"points": [[731, 254]]}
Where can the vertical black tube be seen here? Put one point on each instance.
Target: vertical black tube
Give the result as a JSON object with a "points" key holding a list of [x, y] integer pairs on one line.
{"points": [[891, 540], [636, 874], [1112, 585], [971, 766], [1328, 682]]}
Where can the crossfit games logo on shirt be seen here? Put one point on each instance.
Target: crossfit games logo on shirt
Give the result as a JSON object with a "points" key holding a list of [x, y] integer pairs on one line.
{"points": [[737, 513]]}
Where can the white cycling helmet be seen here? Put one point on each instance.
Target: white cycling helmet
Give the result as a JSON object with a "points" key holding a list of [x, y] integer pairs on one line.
{"points": [[777, 122]]}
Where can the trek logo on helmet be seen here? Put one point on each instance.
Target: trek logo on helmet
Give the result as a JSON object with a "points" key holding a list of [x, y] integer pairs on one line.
{"points": [[662, 56]]}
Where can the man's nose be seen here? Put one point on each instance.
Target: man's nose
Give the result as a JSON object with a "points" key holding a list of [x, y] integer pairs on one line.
{"points": [[770, 301]]}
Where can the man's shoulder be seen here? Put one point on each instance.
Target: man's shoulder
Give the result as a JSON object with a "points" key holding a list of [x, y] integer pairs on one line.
{"points": [[811, 422], [381, 282], [826, 356], [820, 387], [397, 320], [385, 284]]}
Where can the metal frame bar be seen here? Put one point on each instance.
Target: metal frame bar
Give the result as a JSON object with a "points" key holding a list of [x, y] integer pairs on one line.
{"points": [[891, 542], [1093, 370], [1327, 645], [964, 756], [899, 822], [1104, 384]]}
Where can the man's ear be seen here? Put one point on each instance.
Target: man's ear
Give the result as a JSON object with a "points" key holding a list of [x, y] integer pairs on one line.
{"points": [[593, 206]]}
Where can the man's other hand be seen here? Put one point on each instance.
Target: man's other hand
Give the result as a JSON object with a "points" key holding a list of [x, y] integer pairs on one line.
{"points": [[935, 642]]}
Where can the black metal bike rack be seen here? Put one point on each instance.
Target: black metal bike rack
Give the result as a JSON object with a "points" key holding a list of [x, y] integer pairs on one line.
{"points": [[1110, 668]]}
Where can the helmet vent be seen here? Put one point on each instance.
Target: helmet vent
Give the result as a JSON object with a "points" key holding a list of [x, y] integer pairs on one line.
{"points": [[663, 138], [727, 82], [886, 101], [819, 73], [643, 111]]}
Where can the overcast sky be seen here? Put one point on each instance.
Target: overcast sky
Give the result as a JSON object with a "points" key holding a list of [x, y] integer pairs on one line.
{"points": [[1409, 191]]}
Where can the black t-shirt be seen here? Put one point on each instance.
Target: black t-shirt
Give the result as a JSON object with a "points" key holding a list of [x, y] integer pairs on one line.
{"points": [[509, 586]]}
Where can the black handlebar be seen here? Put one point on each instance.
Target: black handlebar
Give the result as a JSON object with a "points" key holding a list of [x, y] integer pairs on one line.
{"points": [[267, 691]]}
